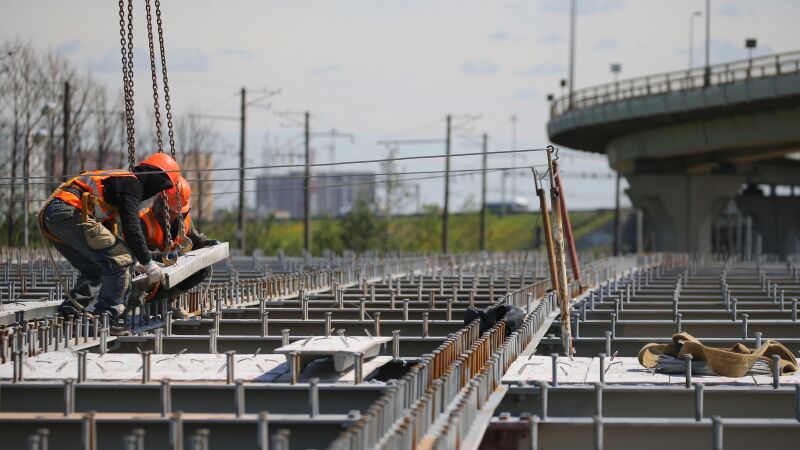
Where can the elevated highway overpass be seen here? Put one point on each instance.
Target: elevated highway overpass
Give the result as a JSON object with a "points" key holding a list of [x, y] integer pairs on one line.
{"points": [[689, 142]]}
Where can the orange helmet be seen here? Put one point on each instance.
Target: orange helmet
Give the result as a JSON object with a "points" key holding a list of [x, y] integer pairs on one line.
{"points": [[163, 161], [181, 191]]}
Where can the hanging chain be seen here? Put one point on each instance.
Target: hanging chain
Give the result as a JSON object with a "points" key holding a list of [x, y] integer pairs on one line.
{"points": [[126, 45], [163, 216], [167, 105], [154, 77], [170, 131]]}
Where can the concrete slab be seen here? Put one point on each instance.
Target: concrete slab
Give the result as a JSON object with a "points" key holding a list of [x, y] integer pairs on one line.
{"points": [[190, 263], [339, 348], [620, 370], [128, 367], [540, 368], [187, 367]]}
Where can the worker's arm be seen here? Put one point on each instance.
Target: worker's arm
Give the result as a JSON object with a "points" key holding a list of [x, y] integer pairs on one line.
{"points": [[128, 207], [199, 240]]}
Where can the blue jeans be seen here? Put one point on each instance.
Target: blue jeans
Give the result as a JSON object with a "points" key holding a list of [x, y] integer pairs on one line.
{"points": [[101, 257]]}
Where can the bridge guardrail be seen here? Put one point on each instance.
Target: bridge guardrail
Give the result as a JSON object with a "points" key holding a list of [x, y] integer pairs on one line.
{"points": [[682, 80]]}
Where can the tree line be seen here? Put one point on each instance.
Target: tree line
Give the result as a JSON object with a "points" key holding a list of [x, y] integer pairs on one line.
{"points": [[47, 134]]}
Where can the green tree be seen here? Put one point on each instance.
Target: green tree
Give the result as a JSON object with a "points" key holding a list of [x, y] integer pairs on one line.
{"points": [[327, 236], [362, 230]]}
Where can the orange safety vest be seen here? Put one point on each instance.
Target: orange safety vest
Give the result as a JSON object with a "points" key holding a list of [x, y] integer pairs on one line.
{"points": [[91, 202], [155, 234]]}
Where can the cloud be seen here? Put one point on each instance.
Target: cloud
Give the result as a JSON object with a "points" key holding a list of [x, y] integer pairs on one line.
{"points": [[179, 59], [324, 69], [244, 55], [69, 47], [544, 69], [187, 59], [606, 44], [553, 38], [479, 68], [583, 7], [527, 94], [732, 10], [500, 36], [112, 60]]}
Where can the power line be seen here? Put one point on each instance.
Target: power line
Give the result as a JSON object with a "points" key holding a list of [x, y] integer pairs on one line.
{"points": [[462, 172], [328, 164], [525, 169]]}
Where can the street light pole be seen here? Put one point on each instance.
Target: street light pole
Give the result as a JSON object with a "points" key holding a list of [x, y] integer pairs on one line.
{"points": [[691, 37], [707, 75], [571, 52]]}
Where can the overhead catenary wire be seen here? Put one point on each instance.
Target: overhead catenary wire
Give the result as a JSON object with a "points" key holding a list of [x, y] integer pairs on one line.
{"points": [[578, 174], [327, 164], [464, 172]]}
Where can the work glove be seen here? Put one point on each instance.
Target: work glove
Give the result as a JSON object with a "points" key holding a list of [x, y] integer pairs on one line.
{"points": [[154, 272]]}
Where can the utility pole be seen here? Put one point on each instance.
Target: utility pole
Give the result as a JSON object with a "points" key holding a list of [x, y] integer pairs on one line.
{"points": [[65, 133], [617, 223], [513, 157], [446, 215], [307, 189], [483, 194], [707, 74], [242, 121], [571, 52]]}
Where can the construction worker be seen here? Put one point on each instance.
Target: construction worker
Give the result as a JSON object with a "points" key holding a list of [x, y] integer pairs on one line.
{"points": [[81, 219], [173, 207]]}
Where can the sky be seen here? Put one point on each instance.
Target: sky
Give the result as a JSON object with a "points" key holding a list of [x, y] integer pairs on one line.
{"points": [[393, 70]]}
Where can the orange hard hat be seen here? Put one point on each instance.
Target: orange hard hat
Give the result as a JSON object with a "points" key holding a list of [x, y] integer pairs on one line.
{"points": [[163, 161], [181, 191]]}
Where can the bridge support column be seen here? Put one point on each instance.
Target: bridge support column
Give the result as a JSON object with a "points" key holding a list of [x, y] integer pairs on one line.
{"points": [[776, 218], [682, 208]]}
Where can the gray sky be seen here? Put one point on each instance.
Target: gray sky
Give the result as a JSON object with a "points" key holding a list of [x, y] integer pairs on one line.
{"points": [[384, 69]]}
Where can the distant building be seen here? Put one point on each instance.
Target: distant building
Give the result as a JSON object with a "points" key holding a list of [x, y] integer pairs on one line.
{"points": [[201, 181], [332, 194]]}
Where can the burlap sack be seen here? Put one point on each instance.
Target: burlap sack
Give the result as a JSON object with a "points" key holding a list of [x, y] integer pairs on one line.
{"points": [[734, 362]]}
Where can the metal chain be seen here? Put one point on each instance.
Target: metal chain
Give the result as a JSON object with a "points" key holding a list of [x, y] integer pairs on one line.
{"points": [[154, 77], [164, 218], [126, 45], [167, 105], [168, 109]]}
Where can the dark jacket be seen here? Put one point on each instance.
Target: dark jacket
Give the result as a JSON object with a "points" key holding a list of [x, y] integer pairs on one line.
{"points": [[126, 194]]}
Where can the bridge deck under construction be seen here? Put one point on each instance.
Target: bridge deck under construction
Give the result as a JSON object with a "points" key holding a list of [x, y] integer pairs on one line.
{"points": [[341, 353]]}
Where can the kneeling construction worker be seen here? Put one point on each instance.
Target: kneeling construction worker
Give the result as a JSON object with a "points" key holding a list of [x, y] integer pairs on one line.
{"points": [[169, 231], [81, 218]]}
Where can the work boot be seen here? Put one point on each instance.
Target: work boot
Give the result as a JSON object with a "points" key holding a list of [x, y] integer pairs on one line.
{"points": [[116, 327], [119, 329], [114, 312], [75, 304]]}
